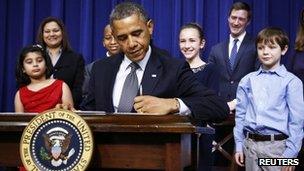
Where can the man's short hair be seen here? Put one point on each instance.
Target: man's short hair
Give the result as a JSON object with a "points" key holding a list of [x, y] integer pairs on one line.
{"points": [[126, 9], [271, 35], [241, 6]]}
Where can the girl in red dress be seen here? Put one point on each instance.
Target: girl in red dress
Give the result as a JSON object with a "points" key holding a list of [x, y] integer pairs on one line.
{"points": [[37, 90]]}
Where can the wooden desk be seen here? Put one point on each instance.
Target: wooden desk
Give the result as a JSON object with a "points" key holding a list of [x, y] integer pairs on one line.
{"points": [[121, 141]]}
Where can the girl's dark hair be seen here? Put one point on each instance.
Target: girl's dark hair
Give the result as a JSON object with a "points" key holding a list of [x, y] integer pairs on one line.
{"points": [[65, 42], [196, 27], [22, 78]]}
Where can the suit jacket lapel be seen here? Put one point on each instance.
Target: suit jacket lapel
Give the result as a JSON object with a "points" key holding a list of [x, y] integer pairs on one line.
{"points": [[152, 74], [225, 56], [62, 61], [111, 76]]}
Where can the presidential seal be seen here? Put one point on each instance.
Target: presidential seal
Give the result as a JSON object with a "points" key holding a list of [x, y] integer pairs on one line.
{"points": [[56, 140]]}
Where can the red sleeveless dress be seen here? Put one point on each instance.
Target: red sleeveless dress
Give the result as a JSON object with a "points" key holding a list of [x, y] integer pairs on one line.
{"points": [[43, 99]]}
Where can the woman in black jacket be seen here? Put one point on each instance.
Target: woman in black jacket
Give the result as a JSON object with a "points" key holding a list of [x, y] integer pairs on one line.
{"points": [[67, 65]]}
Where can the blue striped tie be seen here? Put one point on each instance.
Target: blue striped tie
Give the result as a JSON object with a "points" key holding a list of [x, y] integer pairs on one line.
{"points": [[233, 54]]}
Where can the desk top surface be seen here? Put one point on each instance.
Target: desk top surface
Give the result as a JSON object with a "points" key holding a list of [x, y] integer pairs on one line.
{"points": [[108, 122]]}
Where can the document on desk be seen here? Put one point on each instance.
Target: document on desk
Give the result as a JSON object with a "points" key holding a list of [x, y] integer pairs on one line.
{"points": [[122, 113], [143, 114], [79, 112], [17, 113]]}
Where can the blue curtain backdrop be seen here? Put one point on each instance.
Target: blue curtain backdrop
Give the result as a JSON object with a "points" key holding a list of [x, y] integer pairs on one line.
{"points": [[85, 20]]}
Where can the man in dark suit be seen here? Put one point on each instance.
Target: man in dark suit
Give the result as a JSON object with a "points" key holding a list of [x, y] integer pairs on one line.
{"points": [[236, 57], [235, 60], [164, 84]]}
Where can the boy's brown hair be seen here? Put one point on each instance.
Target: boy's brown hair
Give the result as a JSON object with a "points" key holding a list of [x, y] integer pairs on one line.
{"points": [[272, 35]]}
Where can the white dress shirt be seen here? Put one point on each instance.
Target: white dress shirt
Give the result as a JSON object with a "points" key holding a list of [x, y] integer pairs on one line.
{"points": [[122, 73], [239, 42], [108, 54]]}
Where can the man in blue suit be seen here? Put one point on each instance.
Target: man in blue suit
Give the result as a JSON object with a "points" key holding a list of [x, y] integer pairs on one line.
{"points": [[164, 84], [236, 56]]}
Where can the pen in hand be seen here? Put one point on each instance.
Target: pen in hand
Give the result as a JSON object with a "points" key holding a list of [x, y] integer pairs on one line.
{"points": [[140, 90], [140, 94]]}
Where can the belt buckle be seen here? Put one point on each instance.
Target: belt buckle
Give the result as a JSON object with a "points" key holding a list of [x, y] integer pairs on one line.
{"points": [[247, 135], [272, 137]]}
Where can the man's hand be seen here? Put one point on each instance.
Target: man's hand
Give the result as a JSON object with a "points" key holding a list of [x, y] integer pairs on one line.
{"points": [[232, 105], [239, 158], [155, 105]]}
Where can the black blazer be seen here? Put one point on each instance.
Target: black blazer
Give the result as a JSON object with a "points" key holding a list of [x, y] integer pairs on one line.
{"points": [[87, 75], [70, 69], [173, 79], [246, 62]]}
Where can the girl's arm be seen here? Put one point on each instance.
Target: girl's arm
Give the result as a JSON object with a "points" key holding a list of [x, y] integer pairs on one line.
{"points": [[18, 103], [67, 98]]}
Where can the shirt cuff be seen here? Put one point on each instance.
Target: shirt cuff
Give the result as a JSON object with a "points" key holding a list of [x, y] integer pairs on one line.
{"points": [[183, 109], [289, 154], [239, 147]]}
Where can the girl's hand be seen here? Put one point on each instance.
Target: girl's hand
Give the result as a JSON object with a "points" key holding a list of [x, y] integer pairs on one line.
{"points": [[65, 106]]}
